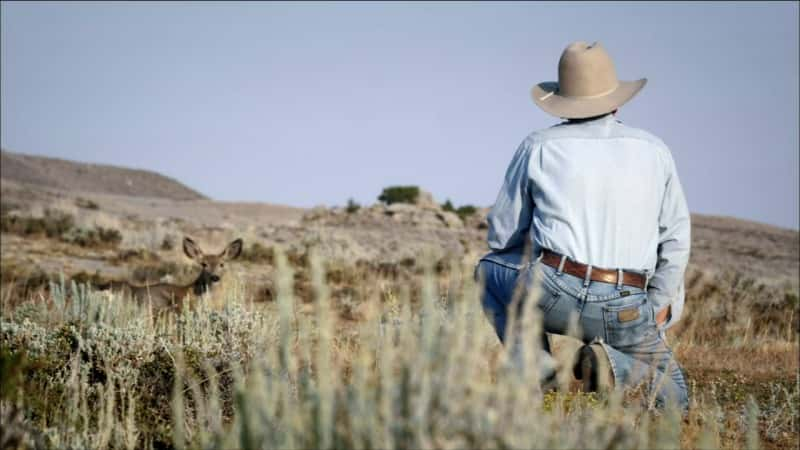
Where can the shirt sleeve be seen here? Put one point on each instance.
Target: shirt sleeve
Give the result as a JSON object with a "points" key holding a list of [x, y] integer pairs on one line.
{"points": [[510, 217], [674, 226]]}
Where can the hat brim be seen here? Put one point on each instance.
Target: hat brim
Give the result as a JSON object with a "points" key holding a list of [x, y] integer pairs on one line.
{"points": [[546, 96]]}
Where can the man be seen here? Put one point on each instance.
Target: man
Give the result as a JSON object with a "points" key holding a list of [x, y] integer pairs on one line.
{"points": [[599, 207]]}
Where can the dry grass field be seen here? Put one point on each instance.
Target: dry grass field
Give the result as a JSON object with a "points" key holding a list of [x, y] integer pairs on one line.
{"points": [[348, 329]]}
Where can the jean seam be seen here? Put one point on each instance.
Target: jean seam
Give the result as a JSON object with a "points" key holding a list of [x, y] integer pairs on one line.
{"points": [[516, 267], [554, 299]]}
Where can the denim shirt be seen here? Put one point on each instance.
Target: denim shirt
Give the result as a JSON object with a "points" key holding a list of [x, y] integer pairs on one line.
{"points": [[601, 193]]}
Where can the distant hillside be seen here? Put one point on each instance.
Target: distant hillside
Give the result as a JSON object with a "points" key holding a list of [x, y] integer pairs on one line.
{"points": [[99, 178], [756, 249]]}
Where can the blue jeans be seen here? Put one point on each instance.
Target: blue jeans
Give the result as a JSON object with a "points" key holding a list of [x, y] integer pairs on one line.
{"points": [[618, 317]]}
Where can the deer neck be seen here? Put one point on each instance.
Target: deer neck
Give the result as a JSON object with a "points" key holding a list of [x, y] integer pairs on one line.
{"points": [[202, 284]]}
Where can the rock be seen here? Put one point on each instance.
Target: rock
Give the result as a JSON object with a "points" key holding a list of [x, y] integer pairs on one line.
{"points": [[400, 208], [450, 219], [425, 200], [426, 214], [315, 214], [477, 220]]}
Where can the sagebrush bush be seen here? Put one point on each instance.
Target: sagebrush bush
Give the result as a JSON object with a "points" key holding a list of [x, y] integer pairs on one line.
{"points": [[59, 225], [86, 204], [93, 237], [466, 211], [352, 206], [399, 194], [463, 211], [20, 281], [257, 253], [53, 225]]}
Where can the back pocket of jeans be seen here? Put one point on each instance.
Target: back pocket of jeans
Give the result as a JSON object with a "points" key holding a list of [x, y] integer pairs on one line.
{"points": [[629, 323]]}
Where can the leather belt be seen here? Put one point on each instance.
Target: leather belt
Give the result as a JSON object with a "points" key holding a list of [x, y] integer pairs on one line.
{"points": [[577, 269]]}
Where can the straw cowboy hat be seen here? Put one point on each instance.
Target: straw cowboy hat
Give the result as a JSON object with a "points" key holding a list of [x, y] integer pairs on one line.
{"points": [[587, 84]]}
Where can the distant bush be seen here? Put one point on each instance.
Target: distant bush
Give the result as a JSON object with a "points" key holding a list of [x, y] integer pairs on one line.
{"points": [[22, 279], [466, 211], [399, 194], [7, 207], [53, 225], [448, 206], [83, 277], [93, 237], [257, 253], [61, 226], [86, 203], [463, 211], [352, 206], [168, 243], [130, 255]]}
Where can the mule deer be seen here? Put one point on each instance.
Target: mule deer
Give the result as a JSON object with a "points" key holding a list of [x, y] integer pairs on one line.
{"points": [[167, 295]]}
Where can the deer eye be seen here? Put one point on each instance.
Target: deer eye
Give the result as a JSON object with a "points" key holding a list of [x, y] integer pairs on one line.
{"points": [[221, 265], [204, 264]]}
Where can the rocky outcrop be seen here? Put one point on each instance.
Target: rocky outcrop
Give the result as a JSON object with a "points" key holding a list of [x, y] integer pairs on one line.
{"points": [[383, 215], [425, 213], [389, 234]]}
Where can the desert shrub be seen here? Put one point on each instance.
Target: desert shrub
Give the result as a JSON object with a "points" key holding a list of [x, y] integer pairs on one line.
{"points": [[298, 257], [130, 255], [83, 277], [448, 206], [463, 211], [257, 253], [466, 211], [21, 280], [168, 243], [93, 237], [7, 207], [737, 309], [53, 225], [399, 194], [352, 206], [59, 225], [103, 374], [86, 204], [108, 235]]}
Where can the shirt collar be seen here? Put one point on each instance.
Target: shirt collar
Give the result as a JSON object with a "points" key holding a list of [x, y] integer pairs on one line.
{"points": [[602, 119]]}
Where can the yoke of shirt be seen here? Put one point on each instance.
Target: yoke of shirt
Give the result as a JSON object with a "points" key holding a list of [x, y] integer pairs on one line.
{"points": [[585, 213]]}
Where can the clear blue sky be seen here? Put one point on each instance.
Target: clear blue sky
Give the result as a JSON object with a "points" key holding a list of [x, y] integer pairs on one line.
{"points": [[312, 103]]}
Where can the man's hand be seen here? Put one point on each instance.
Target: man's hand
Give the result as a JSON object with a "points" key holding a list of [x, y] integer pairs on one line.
{"points": [[663, 315]]}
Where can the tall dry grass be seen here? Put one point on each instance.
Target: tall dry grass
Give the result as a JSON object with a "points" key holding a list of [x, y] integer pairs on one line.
{"points": [[84, 369]]}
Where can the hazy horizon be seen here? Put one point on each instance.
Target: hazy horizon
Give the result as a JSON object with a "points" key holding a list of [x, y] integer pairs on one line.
{"points": [[314, 103]]}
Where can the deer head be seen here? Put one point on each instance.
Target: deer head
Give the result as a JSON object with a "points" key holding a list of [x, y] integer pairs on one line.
{"points": [[213, 266]]}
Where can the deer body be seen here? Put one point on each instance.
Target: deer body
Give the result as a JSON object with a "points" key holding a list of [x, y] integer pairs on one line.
{"points": [[158, 295], [162, 296]]}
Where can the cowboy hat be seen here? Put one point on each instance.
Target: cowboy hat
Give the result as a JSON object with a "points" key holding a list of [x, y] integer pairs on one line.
{"points": [[587, 84]]}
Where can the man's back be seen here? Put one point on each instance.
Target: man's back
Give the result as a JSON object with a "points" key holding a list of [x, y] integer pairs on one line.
{"points": [[597, 188], [601, 193]]}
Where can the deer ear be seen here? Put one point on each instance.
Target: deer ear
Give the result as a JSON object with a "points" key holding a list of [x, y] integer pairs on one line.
{"points": [[191, 249], [233, 250]]}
